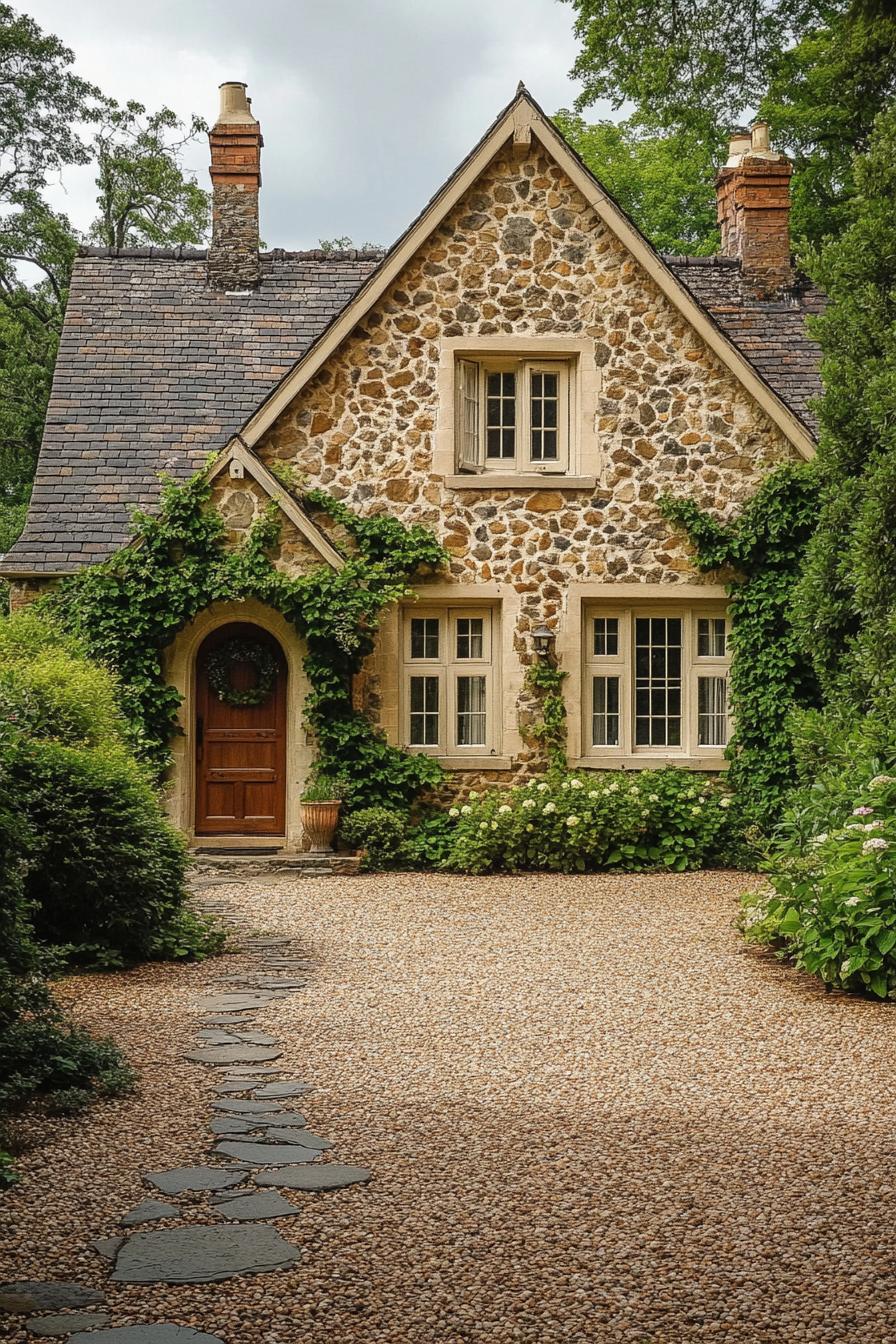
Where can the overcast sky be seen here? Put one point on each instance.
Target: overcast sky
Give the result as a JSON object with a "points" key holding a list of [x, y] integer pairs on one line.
{"points": [[366, 106]]}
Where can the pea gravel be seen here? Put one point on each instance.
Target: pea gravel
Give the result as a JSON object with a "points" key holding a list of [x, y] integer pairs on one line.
{"points": [[590, 1115]]}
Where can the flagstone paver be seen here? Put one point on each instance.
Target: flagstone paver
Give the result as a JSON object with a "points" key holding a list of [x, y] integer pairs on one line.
{"points": [[179, 1179], [49, 1327], [147, 1334], [249, 1208], [202, 1254], [30, 1295], [148, 1211], [328, 1176]]}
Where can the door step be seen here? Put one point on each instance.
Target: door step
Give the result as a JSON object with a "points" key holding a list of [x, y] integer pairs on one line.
{"points": [[213, 866]]}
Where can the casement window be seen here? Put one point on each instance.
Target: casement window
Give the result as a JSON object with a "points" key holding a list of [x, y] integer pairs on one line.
{"points": [[656, 682], [449, 681], [513, 415]]}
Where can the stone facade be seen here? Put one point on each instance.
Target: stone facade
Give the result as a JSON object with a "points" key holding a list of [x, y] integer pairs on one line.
{"points": [[524, 256]]}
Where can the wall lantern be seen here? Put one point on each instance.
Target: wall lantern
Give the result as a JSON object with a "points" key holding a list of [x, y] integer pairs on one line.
{"points": [[543, 641]]}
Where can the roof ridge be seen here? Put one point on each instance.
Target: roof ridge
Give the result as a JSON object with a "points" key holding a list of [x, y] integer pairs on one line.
{"points": [[674, 259], [184, 253]]}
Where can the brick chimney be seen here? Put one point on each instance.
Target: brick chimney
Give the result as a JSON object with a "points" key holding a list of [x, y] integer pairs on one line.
{"points": [[753, 195], [235, 141]]}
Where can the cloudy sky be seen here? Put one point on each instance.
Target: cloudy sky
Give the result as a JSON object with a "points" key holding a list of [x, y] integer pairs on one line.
{"points": [[366, 106]]}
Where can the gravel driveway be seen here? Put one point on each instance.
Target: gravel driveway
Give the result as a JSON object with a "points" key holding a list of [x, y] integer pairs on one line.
{"points": [[590, 1114]]}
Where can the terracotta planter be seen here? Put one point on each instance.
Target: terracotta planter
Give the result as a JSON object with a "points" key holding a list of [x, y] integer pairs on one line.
{"points": [[319, 821]]}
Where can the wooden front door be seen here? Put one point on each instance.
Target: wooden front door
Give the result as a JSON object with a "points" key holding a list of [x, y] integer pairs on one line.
{"points": [[240, 749]]}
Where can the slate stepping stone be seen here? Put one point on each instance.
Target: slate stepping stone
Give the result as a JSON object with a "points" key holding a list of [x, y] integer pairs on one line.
{"points": [[232, 1124], [148, 1212], [266, 1154], [147, 1334], [252, 1071], [107, 1247], [27, 1295], [256, 1038], [302, 1136], [282, 1119], [282, 1090], [251, 1208], [264, 943], [54, 1326], [202, 1254], [237, 1085], [246, 1107], [324, 1176], [269, 982], [227, 1020], [179, 1179], [216, 1037], [235, 1003], [232, 1054]]}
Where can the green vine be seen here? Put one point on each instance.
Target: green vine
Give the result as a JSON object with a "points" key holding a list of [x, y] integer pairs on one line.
{"points": [[128, 609], [770, 675], [547, 680]]}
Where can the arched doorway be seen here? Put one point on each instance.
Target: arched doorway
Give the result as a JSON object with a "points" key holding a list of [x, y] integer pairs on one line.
{"points": [[240, 750]]}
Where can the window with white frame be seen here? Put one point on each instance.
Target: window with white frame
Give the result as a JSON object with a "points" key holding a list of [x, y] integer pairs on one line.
{"points": [[513, 415], [449, 681], [656, 681]]}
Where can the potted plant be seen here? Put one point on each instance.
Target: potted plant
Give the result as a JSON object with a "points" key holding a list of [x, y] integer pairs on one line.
{"points": [[321, 801]]}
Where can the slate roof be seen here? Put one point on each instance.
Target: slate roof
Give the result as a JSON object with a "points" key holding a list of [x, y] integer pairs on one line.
{"points": [[155, 370], [771, 333]]}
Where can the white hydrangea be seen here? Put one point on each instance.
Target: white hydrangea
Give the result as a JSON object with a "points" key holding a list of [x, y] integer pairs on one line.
{"points": [[454, 811], [613, 788], [593, 793], [550, 807], [528, 802], [572, 821], [483, 825], [494, 825], [878, 780], [653, 798], [466, 810], [542, 786], [820, 839], [575, 784], [726, 801], [871, 846], [565, 784], [473, 794], [851, 900], [505, 807], [873, 826]]}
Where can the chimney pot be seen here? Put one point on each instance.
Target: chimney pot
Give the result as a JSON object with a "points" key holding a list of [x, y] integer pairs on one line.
{"points": [[235, 142], [759, 141]]}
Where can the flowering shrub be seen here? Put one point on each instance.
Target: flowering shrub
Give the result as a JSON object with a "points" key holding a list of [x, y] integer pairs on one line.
{"points": [[832, 907], [590, 822]]}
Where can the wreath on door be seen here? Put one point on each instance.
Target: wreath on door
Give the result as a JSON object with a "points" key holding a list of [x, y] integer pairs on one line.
{"points": [[220, 665]]}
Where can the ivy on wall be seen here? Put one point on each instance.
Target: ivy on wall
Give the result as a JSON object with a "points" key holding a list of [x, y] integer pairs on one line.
{"points": [[550, 731], [770, 674], [128, 609]]}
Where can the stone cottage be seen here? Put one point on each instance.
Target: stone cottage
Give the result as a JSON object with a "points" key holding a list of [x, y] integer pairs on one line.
{"points": [[522, 372]]}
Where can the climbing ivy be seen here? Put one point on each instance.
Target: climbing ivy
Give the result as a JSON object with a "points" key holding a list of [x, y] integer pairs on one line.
{"points": [[770, 675], [550, 732], [128, 609]]}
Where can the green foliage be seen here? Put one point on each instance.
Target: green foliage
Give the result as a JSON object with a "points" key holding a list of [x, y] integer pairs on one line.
{"points": [[846, 607], [143, 192], [770, 674], [664, 182], [429, 839], [547, 680], [576, 823], [45, 1055], [832, 905], [819, 70], [380, 832], [130, 608]]}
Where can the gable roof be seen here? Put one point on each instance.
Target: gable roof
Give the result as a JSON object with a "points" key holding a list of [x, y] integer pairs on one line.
{"points": [[156, 370]]}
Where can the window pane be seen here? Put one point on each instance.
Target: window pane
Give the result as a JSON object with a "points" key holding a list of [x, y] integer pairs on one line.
{"points": [[424, 637], [712, 711], [544, 402], [470, 636], [657, 681], [606, 636], [711, 637], [424, 727], [605, 711], [471, 711], [500, 416]]}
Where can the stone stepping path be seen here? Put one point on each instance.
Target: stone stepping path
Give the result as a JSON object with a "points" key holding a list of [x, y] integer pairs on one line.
{"points": [[254, 1142]]}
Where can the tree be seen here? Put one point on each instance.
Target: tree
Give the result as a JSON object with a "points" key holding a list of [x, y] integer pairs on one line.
{"points": [[144, 193], [665, 182], [819, 70], [846, 607], [41, 103]]}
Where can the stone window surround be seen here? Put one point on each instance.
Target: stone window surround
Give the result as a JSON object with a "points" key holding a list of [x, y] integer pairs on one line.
{"points": [[585, 458], [386, 666], [570, 648], [448, 666]]}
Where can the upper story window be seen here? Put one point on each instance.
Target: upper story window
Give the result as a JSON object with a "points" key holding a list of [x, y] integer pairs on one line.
{"points": [[513, 415], [449, 691], [656, 682]]}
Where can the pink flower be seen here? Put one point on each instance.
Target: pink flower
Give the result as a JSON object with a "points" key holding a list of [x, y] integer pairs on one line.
{"points": [[871, 845], [862, 811]]}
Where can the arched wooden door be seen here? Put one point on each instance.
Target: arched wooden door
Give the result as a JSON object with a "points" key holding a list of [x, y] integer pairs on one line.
{"points": [[240, 749]]}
